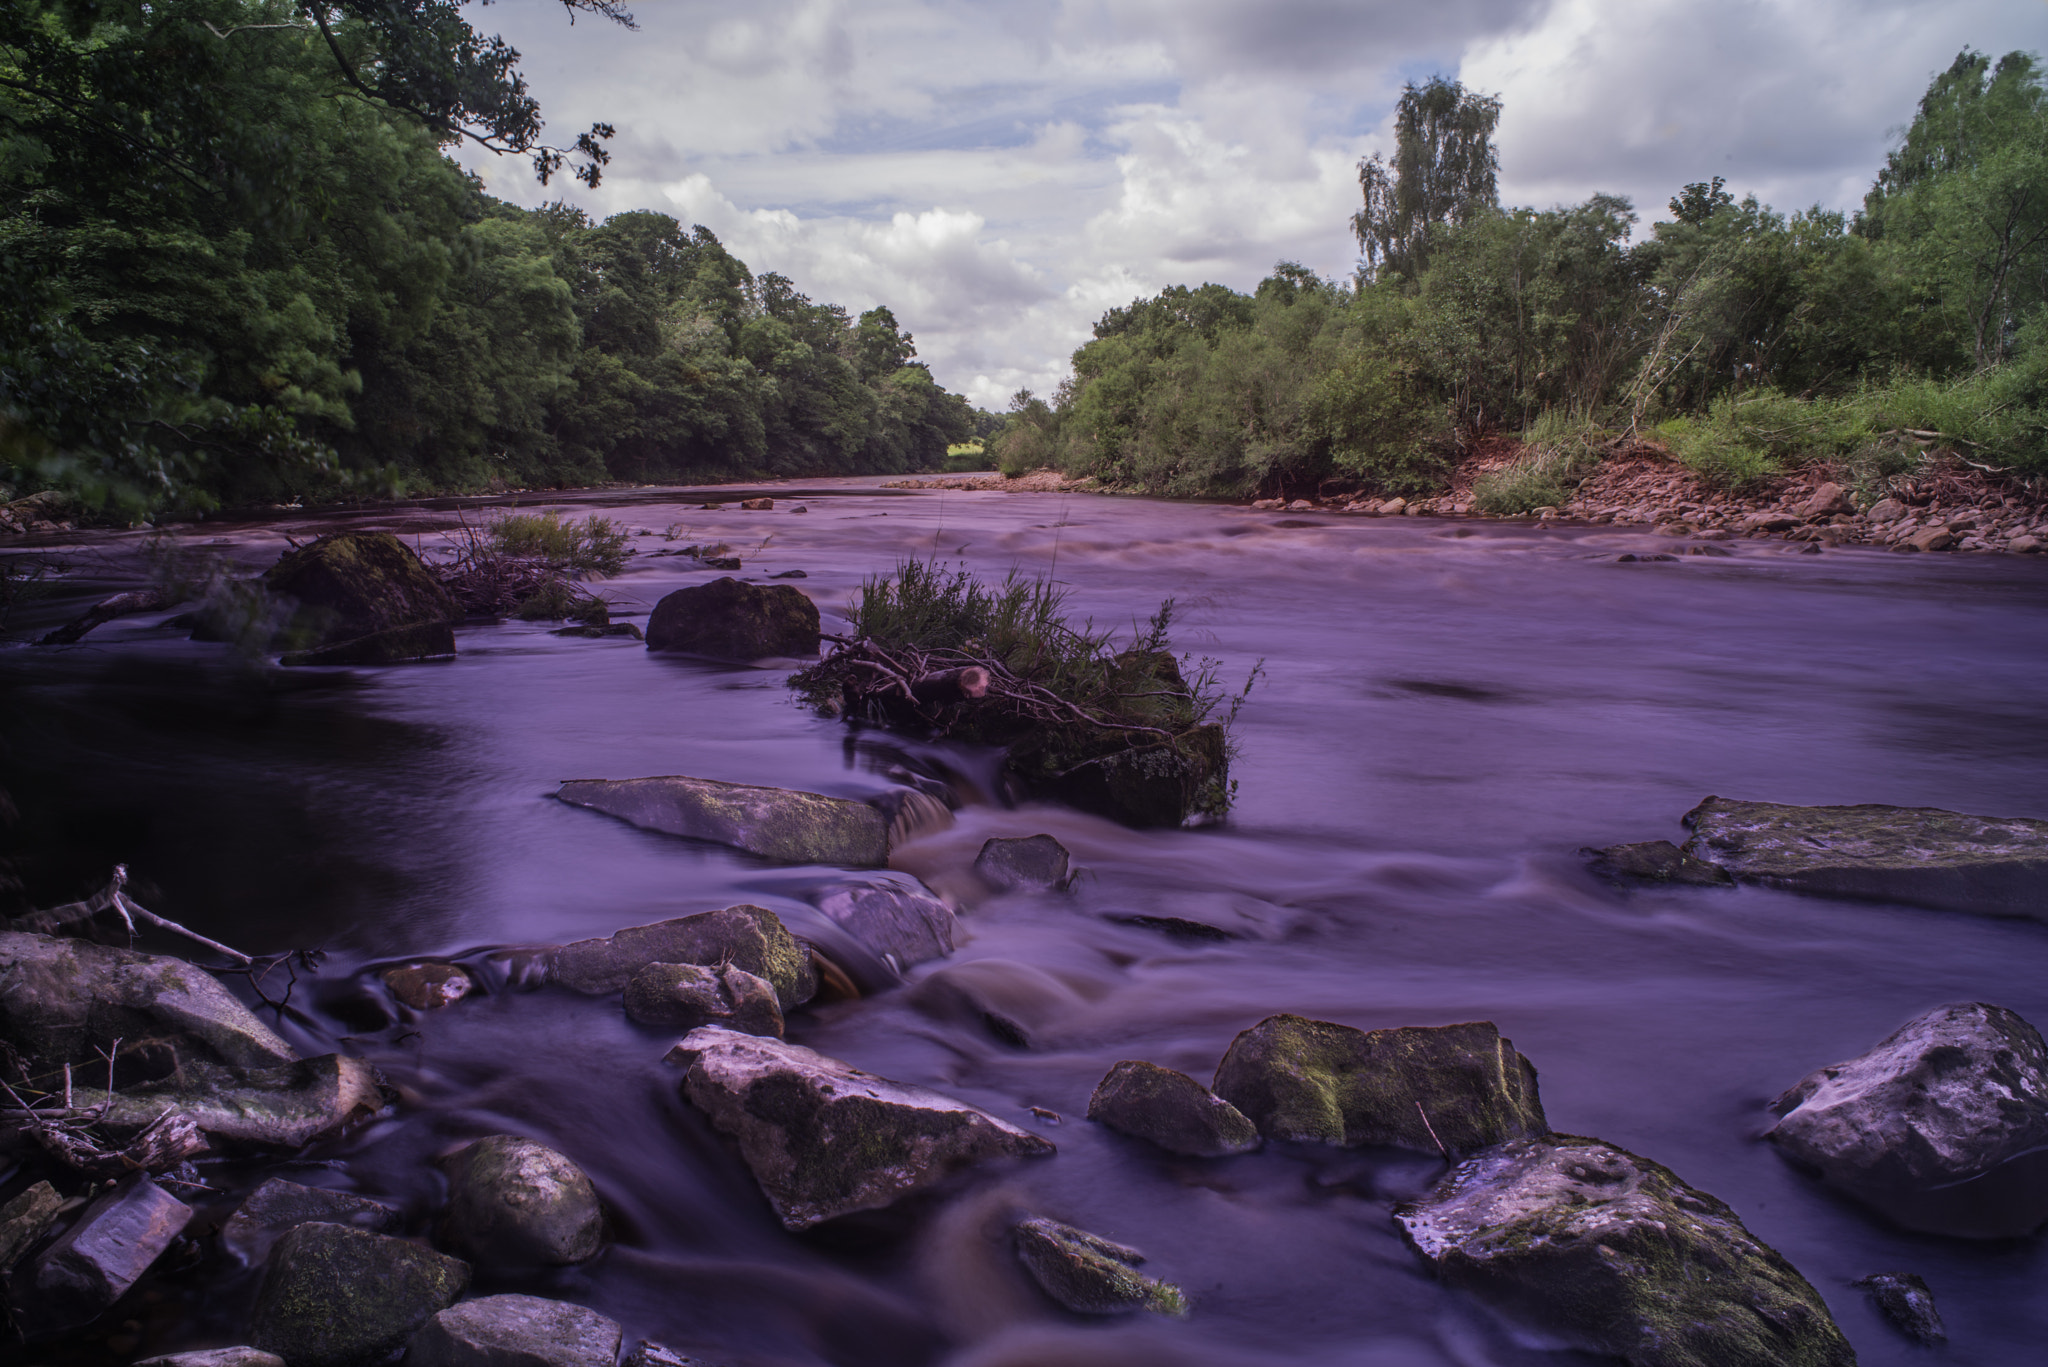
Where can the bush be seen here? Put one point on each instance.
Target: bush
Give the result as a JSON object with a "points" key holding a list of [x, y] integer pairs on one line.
{"points": [[597, 545]]}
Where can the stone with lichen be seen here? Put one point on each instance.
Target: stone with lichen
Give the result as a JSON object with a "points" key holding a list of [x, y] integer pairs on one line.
{"points": [[685, 996], [338, 1297], [749, 938], [1171, 1110], [1088, 1274], [514, 1201], [776, 823]]}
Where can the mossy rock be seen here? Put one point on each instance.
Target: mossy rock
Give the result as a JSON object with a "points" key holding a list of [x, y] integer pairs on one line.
{"points": [[1088, 1274], [729, 620], [1616, 1255], [685, 996], [776, 823], [363, 599], [749, 938], [1458, 1088], [1171, 1110], [341, 1297], [516, 1202]]}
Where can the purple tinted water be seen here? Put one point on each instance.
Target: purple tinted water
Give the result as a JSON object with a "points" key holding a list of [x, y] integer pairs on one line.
{"points": [[1449, 711]]}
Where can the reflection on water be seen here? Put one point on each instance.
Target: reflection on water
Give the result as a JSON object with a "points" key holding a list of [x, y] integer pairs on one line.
{"points": [[1448, 714]]}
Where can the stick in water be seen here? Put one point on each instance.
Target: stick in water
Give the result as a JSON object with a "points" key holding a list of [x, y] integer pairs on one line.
{"points": [[1432, 1132]]}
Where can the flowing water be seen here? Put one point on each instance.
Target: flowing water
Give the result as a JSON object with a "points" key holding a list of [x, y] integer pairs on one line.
{"points": [[1449, 711]]}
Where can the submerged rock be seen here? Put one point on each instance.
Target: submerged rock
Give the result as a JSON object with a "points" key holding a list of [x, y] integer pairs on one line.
{"points": [[1032, 861], [1616, 1255], [363, 599], [1090, 1275], [1457, 1088], [1657, 861], [516, 1331], [823, 1138], [216, 1357], [92, 1264], [749, 938], [775, 823], [428, 987], [1940, 1125], [685, 996], [1922, 856], [1018, 1003], [340, 1297], [64, 1000], [278, 1207], [1172, 1110], [652, 1354], [729, 620], [1907, 1303], [901, 926], [516, 1202], [25, 1220]]}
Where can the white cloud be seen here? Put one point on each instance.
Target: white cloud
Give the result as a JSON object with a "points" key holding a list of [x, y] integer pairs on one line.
{"points": [[999, 175]]}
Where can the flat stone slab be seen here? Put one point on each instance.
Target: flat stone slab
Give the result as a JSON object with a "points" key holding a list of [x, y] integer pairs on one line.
{"points": [[1616, 1255], [92, 1264], [823, 1138], [1922, 856], [516, 1331], [775, 823], [278, 1207]]}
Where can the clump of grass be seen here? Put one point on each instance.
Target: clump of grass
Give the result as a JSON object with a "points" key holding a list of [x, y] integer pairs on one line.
{"points": [[1563, 447], [596, 545], [1066, 697], [558, 600]]}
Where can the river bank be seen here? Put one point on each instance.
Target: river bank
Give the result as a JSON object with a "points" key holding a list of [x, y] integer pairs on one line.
{"points": [[1452, 708]]}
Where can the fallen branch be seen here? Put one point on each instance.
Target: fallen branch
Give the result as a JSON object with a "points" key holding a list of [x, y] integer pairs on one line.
{"points": [[65, 1131], [104, 611], [112, 898]]}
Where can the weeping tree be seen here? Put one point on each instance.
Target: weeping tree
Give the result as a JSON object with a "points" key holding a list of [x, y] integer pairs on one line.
{"points": [[1444, 171]]}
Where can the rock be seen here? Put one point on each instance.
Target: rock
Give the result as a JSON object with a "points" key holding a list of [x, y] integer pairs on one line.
{"points": [[746, 937], [285, 1108], [1016, 1003], [775, 823], [1301, 505], [1926, 539], [25, 1220], [1828, 500], [363, 599], [685, 996], [428, 987], [1269, 505], [1090, 1275], [278, 1207], [652, 1354], [92, 1264], [903, 927], [1886, 510], [216, 1357], [1034, 861], [720, 562], [63, 1000], [1675, 529], [1171, 1110], [730, 620], [1939, 1125], [1151, 785], [1393, 507], [1177, 927], [1769, 522], [340, 1297], [757, 505], [516, 1331], [2024, 545], [1616, 1255], [790, 574], [595, 632], [823, 1138], [514, 1202], [1455, 1087], [1907, 1303], [1657, 861], [1921, 856]]}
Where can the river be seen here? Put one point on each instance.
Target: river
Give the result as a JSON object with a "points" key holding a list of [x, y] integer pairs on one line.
{"points": [[1449, 711]]}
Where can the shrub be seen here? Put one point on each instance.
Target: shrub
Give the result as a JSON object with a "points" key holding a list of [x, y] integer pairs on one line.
{"points": [[597, 545]]}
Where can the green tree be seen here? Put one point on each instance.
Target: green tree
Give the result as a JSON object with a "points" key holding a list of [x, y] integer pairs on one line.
{"points": [[1445, 170]]}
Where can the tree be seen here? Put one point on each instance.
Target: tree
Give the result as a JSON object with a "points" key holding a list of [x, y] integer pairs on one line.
{"points": [[1444, 171]]}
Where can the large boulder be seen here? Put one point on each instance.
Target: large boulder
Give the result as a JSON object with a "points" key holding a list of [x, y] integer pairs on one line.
{"points": [[1171, 1110], [775, 823], [1940, 1125], [733, 621], [92, 1264], [363, 599], [902, 926], [1921, 856], [516, 1331], [749, 938], [1614, 1254], [823, 1138], [1088, 1274], [340, 1297], [515, 1202], [277, 1207], [685, 996], [64, 1000], [1449, 1088]]}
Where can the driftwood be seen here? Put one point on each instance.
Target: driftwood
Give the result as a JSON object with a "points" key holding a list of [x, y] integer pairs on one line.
{"points": [[66, 1131], [112, 898], [951, 685], [104, 611]]}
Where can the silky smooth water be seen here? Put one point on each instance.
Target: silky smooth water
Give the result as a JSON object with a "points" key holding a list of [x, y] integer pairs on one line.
{"points": [[1449, 711]]}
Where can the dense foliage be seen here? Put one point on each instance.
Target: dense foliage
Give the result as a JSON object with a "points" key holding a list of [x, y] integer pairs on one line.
{"points": [[1744, 337], [239, 268]]}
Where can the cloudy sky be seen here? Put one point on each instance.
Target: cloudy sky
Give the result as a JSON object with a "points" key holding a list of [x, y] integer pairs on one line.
{"points": [[1000, 172]]}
